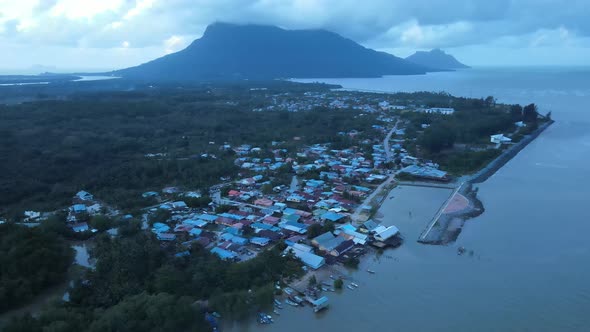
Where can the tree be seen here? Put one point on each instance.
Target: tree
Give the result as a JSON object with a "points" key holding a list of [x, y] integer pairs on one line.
{"points": [[530, 113], [267, 189], [516, 113], [490, 101], [31, 261], [101, 222], [314, 230], [437, 138], [143, 312], [160, 215], [312, 281]]}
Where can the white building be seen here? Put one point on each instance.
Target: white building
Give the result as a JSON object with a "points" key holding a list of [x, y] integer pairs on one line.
{"points": [[440, 110], [499, 139], [383, 233]]}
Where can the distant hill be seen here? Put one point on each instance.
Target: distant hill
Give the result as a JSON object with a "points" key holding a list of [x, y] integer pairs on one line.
{"points": [[228, 51], [436, 58]]}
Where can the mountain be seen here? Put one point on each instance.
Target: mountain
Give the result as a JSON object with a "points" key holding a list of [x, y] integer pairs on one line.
{"points": [[228, 51], [436, 59]]}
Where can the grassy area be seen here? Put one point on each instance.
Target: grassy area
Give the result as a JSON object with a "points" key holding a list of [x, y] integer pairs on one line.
{"points": [[468, 162]]}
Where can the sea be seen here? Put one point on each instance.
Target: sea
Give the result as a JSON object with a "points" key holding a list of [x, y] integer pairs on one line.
{"points": [[527, 260]]}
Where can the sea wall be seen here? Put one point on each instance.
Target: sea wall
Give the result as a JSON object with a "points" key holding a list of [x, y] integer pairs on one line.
{"points": [[507, 155], [445, 228]]}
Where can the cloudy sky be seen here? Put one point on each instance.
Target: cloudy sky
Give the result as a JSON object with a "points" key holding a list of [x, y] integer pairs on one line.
{"points": [[109, 34]]}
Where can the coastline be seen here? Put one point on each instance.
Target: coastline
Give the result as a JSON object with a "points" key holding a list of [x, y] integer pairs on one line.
{"points": [[446, 225]]}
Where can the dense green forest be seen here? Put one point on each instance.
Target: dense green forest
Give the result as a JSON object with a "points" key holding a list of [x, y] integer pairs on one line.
{"points": [[460, 142], [97, 142], [139, 285], [30, 261]]}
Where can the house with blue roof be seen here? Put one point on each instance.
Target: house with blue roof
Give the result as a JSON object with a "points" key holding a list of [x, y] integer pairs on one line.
{"points": [[291, 217], [194, 222], [260, 241], [332, 216], [233, 231], [223, 254], [159, 227], [315, 183], [239, 240], [195, 231], [294, 227], [79, 208]]}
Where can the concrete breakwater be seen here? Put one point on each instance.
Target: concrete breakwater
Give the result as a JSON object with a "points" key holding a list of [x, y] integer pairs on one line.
{"points": [[463, 204], [505, 157]]}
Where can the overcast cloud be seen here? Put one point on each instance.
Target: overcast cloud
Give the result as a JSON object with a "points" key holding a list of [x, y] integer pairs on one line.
{"points": [[106, 34]]}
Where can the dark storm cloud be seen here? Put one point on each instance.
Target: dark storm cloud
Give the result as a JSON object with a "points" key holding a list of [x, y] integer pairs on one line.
{"points": [[168, 25]]}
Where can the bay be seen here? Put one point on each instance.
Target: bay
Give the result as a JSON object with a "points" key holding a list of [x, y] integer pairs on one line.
{"points": [[528, 261]]}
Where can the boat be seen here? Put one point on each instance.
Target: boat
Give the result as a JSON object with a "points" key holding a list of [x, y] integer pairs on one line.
{"points": [[289, 302], [333, 277], [353, 284], [350, 287], [276, 312], [278, 306], [277, 302], [264, 318], [327, 284], [298, 299], [289, 291], [371, 271]]}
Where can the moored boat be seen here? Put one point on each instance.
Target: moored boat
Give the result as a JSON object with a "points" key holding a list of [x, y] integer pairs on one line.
{"points": [[264, 318], [371, 271], [289, 302], [350, 287], [277, 302]]}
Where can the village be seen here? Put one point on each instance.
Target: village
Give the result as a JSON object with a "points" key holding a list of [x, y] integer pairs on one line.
{"points": [[324, 216]]}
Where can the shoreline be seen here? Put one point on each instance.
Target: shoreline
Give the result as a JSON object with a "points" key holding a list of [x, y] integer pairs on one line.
{"points": [[446, 226]]}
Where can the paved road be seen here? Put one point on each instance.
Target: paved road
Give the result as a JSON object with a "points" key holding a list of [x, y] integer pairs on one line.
{"points": [[386, 141], [355, 217]]}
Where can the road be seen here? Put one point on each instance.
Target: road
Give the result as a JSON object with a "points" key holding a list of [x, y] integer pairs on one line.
{"points": [[355, 217], [386, 142]]}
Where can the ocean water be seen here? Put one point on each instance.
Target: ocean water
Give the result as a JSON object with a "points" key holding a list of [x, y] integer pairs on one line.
{"points": [[528, 261]]}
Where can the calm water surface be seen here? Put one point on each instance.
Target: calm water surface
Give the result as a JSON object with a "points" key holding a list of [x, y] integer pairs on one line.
{"points": [[530, 268]]}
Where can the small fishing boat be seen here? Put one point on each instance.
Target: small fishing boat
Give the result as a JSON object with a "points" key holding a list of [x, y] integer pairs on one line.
{"points": [[371, 271], [350, 287], [289, 291], [276, 312], [298, 299], [327, 284], [264, 318], [277, 302], [333, 277], [353, 284], [289, 302]]}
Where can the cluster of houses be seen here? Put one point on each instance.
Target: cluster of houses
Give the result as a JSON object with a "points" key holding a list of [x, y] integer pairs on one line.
{"points": [[239, 233], [341, 100]]}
